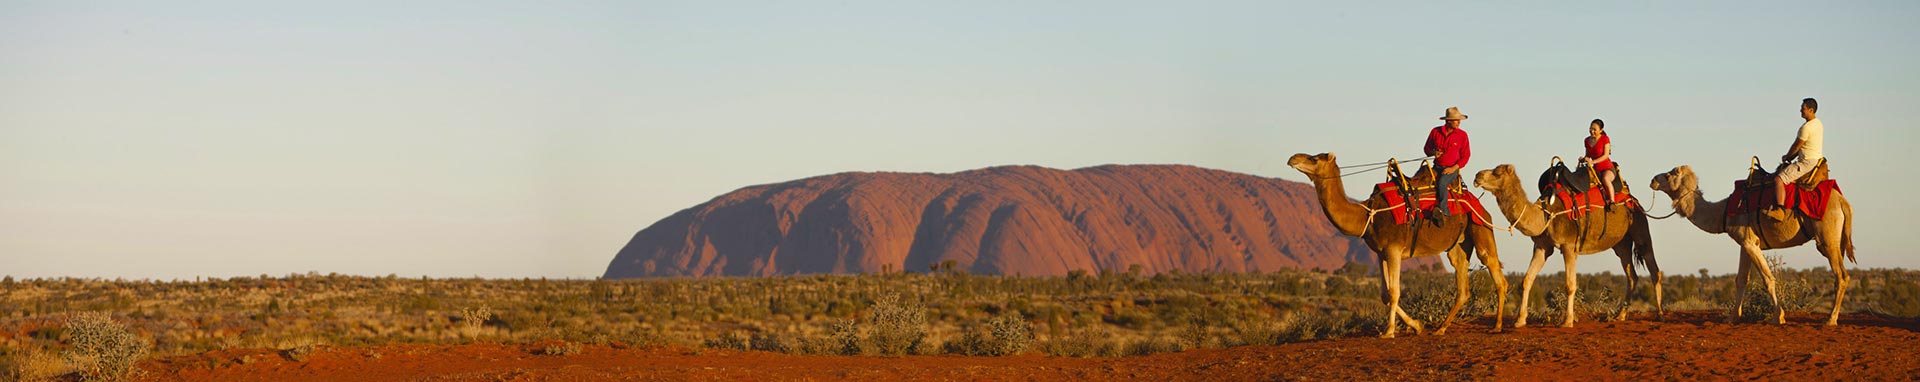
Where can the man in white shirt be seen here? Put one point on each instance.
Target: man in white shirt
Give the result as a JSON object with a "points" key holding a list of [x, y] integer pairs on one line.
{"points": [[1806, 149]]}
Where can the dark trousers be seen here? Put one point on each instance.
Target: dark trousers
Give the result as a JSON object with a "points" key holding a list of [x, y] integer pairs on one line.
{"points": [[1441, 184]]}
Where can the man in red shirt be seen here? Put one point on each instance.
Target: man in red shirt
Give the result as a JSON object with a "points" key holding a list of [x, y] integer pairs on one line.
{"points": [[1448, 146]]}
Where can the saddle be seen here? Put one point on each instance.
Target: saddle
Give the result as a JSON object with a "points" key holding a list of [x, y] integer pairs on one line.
{"points": [[1417, 193], [1757, 176], [1559, 178], [1808, 196]]}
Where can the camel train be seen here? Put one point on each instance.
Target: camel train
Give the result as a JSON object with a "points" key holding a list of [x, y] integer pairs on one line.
{"points": [[1582, 210]]}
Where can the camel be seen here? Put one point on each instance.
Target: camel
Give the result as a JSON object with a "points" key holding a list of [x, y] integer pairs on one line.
{"points": [[1833, 236], [1622, 229], [1393, 243]]}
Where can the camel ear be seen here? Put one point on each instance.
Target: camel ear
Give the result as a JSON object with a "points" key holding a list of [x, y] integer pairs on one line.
{"points": [[1330, 156]]}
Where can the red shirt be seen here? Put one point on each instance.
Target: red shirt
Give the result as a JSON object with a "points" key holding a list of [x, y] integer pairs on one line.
{"points": [[1598, 149], [1453, 144]]}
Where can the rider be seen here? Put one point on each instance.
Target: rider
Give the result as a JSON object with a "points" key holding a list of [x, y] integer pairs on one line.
{"points": [[1599, 157], [1448, 146], [1805, 152]]}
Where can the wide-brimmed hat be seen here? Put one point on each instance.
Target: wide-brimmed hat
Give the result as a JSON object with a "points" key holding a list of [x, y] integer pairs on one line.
{"points": [[1453, 114]]}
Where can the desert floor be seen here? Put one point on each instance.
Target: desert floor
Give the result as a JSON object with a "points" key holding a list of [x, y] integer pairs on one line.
{"points": [[1686, 346]]}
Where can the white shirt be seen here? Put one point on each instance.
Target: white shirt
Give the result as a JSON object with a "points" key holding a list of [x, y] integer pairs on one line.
{"points": [[1811, 141]]}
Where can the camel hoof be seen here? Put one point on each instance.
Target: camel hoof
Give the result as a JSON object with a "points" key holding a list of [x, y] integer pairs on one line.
{"points": [[1387, 335], [1441, 331], [1567, 324], [1495, 331]]}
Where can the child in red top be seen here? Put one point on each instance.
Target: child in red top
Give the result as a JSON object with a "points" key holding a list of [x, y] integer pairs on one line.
{"points": [[1600, 156]]}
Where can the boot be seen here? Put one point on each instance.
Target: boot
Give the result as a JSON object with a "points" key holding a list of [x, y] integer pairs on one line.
{"points": [[1777, 213]]}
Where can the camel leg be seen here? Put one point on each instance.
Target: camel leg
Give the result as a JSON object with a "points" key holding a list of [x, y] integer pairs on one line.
{"points": [[1391, 276], [1626, 262], [1490, 256], [1462, 290], [1759, 260], [1642, 237], [1526, 283], [1653, 270], [1740, 288], [1830, 247], [1573, 286]]}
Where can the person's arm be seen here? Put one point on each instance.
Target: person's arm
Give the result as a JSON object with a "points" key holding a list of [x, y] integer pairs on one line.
{"points": [[1794, 150], [1433, 146], [1466, 152]]}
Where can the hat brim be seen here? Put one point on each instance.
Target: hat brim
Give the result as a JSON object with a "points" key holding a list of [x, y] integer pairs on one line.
{"points": [[1463, 117]]}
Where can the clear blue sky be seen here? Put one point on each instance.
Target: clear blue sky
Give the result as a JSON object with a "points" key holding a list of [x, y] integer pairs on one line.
{"points": [[511, 139]]}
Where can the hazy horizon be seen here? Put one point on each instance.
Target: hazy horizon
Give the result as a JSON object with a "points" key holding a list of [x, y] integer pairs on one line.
{"points": [[498, 139]]}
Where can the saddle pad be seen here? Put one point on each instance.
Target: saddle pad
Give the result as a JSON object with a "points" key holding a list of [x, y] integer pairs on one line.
{"points": [[1579, 203], [1461, 203], [1813, 202]]}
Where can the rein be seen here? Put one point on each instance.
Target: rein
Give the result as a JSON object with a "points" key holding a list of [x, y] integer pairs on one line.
{"points": [[1655, 197]]}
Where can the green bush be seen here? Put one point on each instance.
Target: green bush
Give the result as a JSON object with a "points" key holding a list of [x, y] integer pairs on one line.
{"points": [[101, 349], [1006, 334], [896, 327]]}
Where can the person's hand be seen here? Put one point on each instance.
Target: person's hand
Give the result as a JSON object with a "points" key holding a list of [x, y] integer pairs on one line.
{"points": [[1586, 160], [1784, 158]]}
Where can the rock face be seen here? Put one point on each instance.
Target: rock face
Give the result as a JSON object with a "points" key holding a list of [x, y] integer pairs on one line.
{"points": [[1016, 220]]}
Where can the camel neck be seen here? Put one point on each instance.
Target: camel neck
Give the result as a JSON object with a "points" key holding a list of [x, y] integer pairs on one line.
{"points": [[1706, 215], [1513, 201], [1349, 217]]}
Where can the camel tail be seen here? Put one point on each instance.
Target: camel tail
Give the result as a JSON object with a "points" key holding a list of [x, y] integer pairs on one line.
{"points": [[1846, 231]]}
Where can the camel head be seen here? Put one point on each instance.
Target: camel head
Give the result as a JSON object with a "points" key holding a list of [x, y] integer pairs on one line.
{"points": [[1316, 167], [1498, 179], [1680, 179]]}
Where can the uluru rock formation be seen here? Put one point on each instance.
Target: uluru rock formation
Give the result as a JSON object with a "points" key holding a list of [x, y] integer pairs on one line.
{"points": [[1022, 220]]}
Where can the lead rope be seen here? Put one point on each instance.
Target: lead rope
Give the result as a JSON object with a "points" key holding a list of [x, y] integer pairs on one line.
{"points": [[1656, 197]]}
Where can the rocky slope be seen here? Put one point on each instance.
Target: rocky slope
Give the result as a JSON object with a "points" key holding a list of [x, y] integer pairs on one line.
{"points": [[1012, 220]]}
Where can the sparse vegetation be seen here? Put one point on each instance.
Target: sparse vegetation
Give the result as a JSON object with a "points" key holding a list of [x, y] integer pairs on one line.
{"points": [[561, 348], [1090, 314], [100, 349]]}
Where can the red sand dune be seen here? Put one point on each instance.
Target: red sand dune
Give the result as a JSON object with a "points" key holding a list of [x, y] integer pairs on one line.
{"points": [[1691, 346], [1003, 220]]}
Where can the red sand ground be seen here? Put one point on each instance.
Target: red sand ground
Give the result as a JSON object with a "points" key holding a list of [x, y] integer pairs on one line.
{"points": [[1688, 346]]}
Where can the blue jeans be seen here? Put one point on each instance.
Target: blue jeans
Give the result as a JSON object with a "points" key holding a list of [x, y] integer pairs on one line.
{"points": [[1441, 184]]}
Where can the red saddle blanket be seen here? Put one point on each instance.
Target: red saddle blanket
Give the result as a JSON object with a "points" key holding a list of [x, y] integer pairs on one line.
{"points": [[1811, 202], [1594, 199], [1462, 203]]}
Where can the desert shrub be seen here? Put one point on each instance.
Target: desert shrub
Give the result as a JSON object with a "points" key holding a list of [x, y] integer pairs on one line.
{"points": [[560, 348], [1255, 333], [1092, 342], [896, 327], [101, 349], [1006, 334], [31, 364], [1155, 345], [474, 318], [1793, 290], [773, 342], [302, 352], [1194, 334], [1898, 298], [727, 341], [1318, 324], [844, 337]]}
